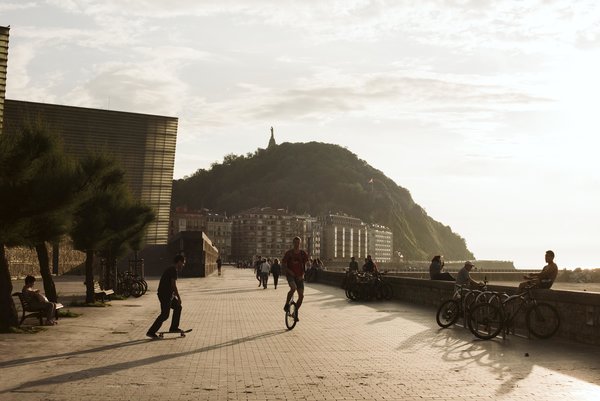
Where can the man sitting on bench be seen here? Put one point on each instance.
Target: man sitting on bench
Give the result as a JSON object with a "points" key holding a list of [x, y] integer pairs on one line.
{"points": [[39, 301]]}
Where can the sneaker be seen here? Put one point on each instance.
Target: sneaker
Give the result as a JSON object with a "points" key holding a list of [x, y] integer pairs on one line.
{"points": [[175, 331], [153, 336], [296, 316], [286, 308]]}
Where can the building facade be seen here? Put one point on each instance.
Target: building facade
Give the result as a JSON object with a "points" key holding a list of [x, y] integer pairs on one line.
{"points": [[216, 226], [381, 243], [343, 237], [144, 146], [266, 232], [4, 33]]}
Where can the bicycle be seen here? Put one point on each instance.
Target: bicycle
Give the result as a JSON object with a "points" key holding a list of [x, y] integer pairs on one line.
{"points": [[460, 304], [291, 315], [487, 320]]}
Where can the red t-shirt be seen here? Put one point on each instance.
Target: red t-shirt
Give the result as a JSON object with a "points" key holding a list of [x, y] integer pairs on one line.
{"points": [[295, 262]]}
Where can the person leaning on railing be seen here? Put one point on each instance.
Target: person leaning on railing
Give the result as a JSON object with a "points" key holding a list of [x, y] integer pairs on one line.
{"points": [[543, 279]]}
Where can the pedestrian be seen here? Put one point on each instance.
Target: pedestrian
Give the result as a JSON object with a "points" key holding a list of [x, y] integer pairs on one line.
{"points": [[265, 268], [219, 265], [257, 264], [275, 271], [169, 298]]}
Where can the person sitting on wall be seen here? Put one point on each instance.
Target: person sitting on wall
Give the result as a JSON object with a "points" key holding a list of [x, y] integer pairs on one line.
{"points": [[353, 265], [436, 269], [543, 279], [39, 301], [370, 266], [463, 277]]}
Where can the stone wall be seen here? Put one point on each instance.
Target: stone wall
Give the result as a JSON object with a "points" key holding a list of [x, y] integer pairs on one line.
{"points": [[23, 261], [579, 312]]}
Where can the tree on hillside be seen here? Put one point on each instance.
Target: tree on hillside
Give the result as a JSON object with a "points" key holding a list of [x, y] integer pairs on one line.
{"points": [[319, 178], [36, 182]]}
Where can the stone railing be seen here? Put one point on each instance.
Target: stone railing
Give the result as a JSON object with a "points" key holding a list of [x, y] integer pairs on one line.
{"points": [[579, 312]]}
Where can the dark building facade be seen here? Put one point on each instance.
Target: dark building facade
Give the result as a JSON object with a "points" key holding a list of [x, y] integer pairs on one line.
{"points": [[144, 146], [3, 67], [200, 253]]}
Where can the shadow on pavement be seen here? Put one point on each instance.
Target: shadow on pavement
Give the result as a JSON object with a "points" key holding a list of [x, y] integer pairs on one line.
{"points": [[111, 369], [26, 361]]}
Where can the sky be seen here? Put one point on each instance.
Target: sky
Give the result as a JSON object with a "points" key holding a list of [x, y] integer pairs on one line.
{"points": [[486, 111]]}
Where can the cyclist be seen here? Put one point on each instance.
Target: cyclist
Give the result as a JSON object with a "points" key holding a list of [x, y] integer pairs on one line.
{"points": [[543, 279], [293, 265]]}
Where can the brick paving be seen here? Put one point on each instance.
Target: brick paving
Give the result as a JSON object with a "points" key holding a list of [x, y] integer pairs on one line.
{"points": [[240, 350]]}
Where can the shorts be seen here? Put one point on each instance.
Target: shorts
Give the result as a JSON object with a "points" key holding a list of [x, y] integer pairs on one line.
{"points": [[296, 282]]}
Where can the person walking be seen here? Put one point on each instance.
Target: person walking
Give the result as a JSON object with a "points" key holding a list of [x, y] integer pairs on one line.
{"points": [[293, 265], [265, 268], [219, 263], [169, 298], [275, 271]]}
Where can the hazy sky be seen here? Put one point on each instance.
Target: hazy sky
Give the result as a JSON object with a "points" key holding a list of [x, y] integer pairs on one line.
{"points": [[487, 111]]}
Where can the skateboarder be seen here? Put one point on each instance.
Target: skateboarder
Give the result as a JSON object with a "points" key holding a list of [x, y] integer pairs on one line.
{"points": [[169, 298]]}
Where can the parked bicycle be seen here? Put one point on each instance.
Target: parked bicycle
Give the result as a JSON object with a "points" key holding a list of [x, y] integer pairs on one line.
{"points": [[460, 304], [368, 286], [488, 319], [130, 285]]}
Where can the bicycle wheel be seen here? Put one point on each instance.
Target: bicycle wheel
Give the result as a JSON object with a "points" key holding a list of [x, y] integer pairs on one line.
{"points": [[388, 291], [136, 289], [485, 321], [542, 320], [448, 313], [290, 316]]}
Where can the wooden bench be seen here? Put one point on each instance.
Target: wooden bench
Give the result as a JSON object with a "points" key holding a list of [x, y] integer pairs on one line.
{"points": [[30, 311], [100, 293]]}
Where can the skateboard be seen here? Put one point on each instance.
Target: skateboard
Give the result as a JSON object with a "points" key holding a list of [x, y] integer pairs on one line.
{"points": [[181, 333]]}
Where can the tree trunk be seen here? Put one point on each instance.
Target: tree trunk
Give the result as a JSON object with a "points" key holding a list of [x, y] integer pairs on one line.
{"points": [[44, 260], [89, 276], [8, 312]]}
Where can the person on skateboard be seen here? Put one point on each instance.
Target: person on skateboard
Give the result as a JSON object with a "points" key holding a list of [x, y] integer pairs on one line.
{"points": [[169, 298]]}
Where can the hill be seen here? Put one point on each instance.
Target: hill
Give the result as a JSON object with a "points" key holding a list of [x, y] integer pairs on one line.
{"points": [[319, 178]]}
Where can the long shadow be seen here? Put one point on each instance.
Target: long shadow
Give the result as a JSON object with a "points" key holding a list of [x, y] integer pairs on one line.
{"points": [[34, 359], [111, 369]]}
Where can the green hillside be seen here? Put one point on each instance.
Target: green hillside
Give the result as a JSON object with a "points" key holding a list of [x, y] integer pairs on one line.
{"points": [[319, 178]]}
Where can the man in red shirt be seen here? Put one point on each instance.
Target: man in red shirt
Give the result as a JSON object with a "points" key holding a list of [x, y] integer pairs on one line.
{"points": [[293, 267]]}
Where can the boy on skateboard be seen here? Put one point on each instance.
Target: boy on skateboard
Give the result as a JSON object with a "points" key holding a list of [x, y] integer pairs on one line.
{"points": [[169, 298]]}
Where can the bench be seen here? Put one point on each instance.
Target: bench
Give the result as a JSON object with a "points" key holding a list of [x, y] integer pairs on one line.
{"points": [[100, 293], [29, 311]]}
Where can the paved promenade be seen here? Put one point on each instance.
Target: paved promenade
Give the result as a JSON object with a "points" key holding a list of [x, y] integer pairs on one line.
{"points": [[240, 350]]}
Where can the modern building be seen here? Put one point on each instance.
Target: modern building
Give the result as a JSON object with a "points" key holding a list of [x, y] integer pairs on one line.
{"points": [[216, 226], [3, 67], [266, 232], [342, 237], [200, 253], [380, 243], [143, 144]]}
